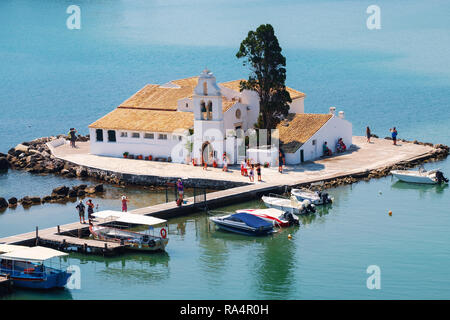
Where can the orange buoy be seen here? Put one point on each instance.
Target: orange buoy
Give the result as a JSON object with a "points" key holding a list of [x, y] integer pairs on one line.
{"points": [[390, 213]]}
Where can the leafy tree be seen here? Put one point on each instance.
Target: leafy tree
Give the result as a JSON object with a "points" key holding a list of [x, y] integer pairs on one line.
{"points": [[262, 53]]}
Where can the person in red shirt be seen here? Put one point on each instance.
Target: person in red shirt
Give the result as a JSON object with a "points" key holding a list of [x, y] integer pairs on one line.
{"points": [[124, 204]]}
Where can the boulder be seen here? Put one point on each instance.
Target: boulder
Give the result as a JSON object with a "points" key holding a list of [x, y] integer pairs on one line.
{"points": [[3, 203], [35, 200], [4, 164], [99, 188], [26, 201], [81, 193], [90, 190], [46, 199], [82, 186], [22, 148], [12, 201], [81, 172], [63, 190], [73, 193]]}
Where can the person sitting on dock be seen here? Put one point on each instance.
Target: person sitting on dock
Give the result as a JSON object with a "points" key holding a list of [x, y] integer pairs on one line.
{"points": [[326, 150], [81, 208]]}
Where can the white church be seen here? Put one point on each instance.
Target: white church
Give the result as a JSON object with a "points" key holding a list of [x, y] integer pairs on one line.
{"points": [[198, 119]]}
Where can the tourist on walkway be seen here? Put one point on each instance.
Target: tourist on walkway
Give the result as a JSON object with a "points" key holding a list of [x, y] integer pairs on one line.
{"points": [[245, 168], [90, 209], [258, 171], [72, 136], [80, 207], [368, 134], [180, 189], [394, 134], [225, 162], [251, 175], [125, 204], [281, 161], [242, 167], [326, 150]]}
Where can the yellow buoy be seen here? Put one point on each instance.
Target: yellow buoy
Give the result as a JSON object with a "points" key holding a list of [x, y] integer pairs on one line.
{"points": [[289, 236], [390, 213]]}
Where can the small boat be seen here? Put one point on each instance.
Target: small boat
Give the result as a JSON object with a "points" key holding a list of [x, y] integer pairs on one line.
{"points": [[277, 217], [315, 197], [291, 205], [131, 239], [243, 223], [25, 267], [420, 176]]}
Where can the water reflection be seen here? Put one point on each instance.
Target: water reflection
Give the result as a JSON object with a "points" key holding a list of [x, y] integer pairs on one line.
{"points": [[422, 188]]}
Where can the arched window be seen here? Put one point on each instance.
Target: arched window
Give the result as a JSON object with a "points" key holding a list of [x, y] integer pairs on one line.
{"points": [[209, 111], [205, 88]]}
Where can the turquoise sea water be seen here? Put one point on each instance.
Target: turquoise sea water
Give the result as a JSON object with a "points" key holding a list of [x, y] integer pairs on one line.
{"points": [[52, 78]]}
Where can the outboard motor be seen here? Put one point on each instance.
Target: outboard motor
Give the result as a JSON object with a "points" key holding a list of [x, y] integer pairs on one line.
{"points": [[311, 208], [289, 217], [325, 199], [440, 177]]}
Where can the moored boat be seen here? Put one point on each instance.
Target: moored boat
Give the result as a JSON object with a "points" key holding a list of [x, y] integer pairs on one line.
{"points": [[277, 217], [243, 223], [420, 176], [315, 197], [291, 205], [25, 267], [131, 239]]}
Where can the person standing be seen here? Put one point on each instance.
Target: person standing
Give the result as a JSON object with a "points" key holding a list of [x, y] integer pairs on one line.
{"points": [[125, 204], [90, 209], [81, 208], [180, 189], [394, 134], [258, 171], [368, 134], [281, 161], [251, 174], [225, 162]]}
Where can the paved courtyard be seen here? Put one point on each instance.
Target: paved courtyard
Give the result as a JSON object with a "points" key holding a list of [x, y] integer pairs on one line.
{"points": [[364, 156]]}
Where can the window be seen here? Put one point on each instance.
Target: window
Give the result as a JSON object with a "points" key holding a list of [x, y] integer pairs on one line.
{"points": [[314, 142], [205, 88], [238, 113], [135, 135], [187, 105], [209, 111], [111, 135], [162, 136], [124, 134], [149, 136], [99, 134]]}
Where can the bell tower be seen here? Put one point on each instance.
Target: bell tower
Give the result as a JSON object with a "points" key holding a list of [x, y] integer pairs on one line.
{"points": [[208, 119]]}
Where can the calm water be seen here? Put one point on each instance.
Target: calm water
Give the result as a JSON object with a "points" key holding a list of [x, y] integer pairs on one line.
{"points": [[52, 78]]}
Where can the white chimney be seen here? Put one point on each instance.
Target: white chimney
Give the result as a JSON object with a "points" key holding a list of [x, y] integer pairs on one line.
{"points": [[332, 110], [341, 114]]}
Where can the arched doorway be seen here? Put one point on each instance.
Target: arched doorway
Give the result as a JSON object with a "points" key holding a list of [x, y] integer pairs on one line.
{"points": [[207, 152]]}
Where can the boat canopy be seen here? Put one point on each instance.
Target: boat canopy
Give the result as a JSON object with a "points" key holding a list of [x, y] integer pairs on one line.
{"points": [[129, 217], [33, 254], [251, 220], [5, 248]]}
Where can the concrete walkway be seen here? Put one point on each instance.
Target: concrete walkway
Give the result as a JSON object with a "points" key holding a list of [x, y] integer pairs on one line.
{"points": [[378, 154]]}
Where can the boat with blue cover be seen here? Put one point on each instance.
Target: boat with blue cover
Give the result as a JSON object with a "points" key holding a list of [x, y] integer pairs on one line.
{"points": [[25, 267], [243, 223]]}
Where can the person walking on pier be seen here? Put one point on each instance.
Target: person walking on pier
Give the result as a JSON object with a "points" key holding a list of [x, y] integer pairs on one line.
{"points": [[125, 204], [81, 208], [281, 161], [251, 174], [368, 134], [258, 171], [394, 134]]}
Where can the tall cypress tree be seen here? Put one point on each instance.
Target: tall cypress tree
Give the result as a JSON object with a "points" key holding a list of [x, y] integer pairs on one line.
{"points": [[262, 54]]}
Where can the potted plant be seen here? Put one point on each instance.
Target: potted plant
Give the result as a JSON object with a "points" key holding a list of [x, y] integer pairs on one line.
{"points": [[150, 157], [193, 162], [140, 157], [125, 154], [266, 164], [214, 163]]}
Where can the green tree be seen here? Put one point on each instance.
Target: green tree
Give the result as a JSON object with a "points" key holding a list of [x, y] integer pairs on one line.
{"points": [[262, 54]]}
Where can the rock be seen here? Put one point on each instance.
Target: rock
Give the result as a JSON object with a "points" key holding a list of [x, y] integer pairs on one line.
{"points": [[12, 201], [90, 190], [46, 199], [73, 193], [81, 172], [65, 171], [63, 190], [4, 164], [82, 186], [3, 203], [26, 201], [99, 188], [81, 193], [35, 200], [21, 147]]}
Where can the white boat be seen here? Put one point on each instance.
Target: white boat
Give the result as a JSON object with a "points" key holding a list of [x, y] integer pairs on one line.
{"points": [[420, 176], [277, 217], [133, 240], [291, 205], [315, 197]]}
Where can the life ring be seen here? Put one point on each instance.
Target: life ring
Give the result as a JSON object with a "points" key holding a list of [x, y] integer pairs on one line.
{"points": [[163, 233]]}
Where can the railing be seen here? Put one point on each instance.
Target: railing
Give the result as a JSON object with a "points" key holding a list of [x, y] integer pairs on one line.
{"points": [[200, 198]]}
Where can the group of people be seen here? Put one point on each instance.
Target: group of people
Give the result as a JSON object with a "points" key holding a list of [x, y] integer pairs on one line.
{"points": [[248, 170], [81, 210], [393, 131], [72, 137], [340, 147]]}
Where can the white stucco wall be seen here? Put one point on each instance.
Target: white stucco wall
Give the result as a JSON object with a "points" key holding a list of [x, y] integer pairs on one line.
{"points": [[262, 156], [334, 129], [297, 106]]}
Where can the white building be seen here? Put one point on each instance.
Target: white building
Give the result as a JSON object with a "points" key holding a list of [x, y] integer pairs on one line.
{"points": [[158, 121]]}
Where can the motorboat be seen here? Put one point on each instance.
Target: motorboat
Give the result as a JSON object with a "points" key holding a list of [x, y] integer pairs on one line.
{"points": [[420, 176], [291, 205], [25, 267], [112, 230], [277, 217], [315, 197], [243, 223]]}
